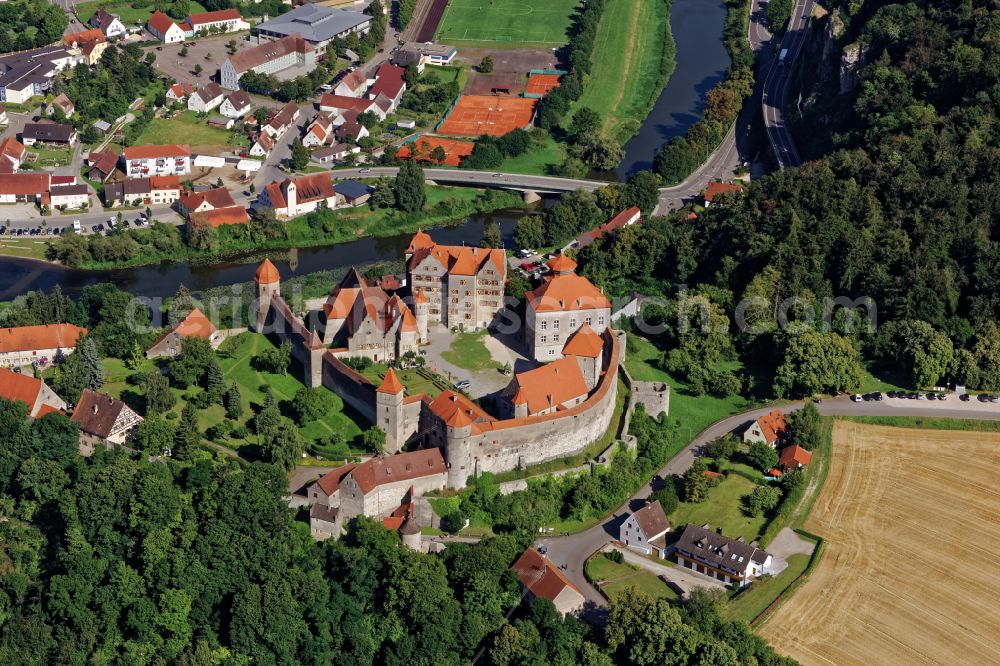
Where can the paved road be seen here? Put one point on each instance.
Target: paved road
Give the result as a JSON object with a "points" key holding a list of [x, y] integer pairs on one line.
{"points": [[518, 181], [574, 550], [776, 84]]}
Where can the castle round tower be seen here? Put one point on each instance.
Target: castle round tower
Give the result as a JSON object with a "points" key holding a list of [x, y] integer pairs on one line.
{"points": [[410, 533], [268, 286], [458, 449]]}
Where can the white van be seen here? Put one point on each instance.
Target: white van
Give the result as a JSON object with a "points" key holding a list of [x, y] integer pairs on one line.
{"points": [[76, 226]]}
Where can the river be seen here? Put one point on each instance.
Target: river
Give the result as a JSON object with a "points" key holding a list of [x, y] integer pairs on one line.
{"points": [[19, 276], [702, 61]]}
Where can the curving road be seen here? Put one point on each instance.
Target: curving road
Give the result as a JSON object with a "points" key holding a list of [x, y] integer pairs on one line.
{"points": [[573, 551], [776, 85]]}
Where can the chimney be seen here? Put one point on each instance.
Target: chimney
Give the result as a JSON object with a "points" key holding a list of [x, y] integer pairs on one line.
{"points": [[95, 407], [718, 530]]}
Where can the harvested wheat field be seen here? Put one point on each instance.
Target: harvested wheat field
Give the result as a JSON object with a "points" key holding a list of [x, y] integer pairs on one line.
{"points": [[911, 571]]}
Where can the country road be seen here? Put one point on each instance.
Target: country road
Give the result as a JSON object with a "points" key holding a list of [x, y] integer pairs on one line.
{"points": [[776, 85], [574, 550]]}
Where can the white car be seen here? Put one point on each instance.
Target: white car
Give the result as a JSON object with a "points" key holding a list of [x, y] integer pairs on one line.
{"points": [[77, 227], [856, 397]]}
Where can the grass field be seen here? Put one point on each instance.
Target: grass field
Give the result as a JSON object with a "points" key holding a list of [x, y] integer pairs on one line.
{"points": [[468, 351], [625, 79], [30, 247], [506, 24], [723, 507], [187, 128], [910, 522], [414, 382], [615, 580], [124, 10]]}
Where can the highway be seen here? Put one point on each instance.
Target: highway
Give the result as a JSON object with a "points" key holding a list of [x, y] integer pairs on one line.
{"points": [[776, 85], [574, 550]]}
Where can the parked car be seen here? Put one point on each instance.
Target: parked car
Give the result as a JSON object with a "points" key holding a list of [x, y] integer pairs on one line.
{"points": [[964, 397], [463, 385], [856, 397]]}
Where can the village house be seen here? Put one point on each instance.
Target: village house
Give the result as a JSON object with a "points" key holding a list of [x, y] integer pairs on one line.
{"points": [[794, 457], [541, 578], [206, 98], [52, 134], [297, 196], [282, 121], [351, 129], [424, 54], [645, 531], [179, 92], [316, 24], [35, 393], [338, 152], [463, 285], [164, 29], [198, 202], [319, 131], [12, 153], [362, 320], [155, 190], [267, 58], [109, 24], [626, 218], [715, 189], [336, 105], [165, 160], [223, 20], [559, 307], [770, 428], [354, 193], [194, 325], [355, 84], [103, 421], [731, 561], [101, 165], [262, 145], [25, 188], [37, 345], [388, 83], [90, 43], [69, 197], [236, 105], [29, 73]]}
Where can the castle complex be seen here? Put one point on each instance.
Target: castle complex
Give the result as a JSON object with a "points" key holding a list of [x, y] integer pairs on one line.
{"points": [[547, 412]]}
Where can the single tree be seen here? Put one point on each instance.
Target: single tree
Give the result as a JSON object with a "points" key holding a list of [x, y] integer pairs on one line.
{"points": [[696, 482], [491, 235], [159, 398], [92, 364], [300, 155], [233, 402], [374, 439], [761, 500], [215, 381], [187, 437], [762, 456], [409, 187]]}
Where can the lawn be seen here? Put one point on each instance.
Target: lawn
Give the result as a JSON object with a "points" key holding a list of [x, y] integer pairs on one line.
{"points": [[31, 247], [542, 157], [506, 24], [185, 127], [51, 156], [723, 506], [413, 380], [752, 601], [444, 74], [614, 579], [125, 11], [626, 78], [468, 351]]}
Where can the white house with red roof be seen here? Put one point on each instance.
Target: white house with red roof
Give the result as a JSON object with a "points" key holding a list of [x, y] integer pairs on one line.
{"points": [[262, 145], [389, 83], [165, 160], [198, 202], [319, 132], [541, 578], [206, 98], [194, 325], [37, 345], [12, 153], [297, 196], [354, 84], [770, 428], [645, 530], [236, 105], [179, 92], [109, 24], [221, 21], [35, 393], [164, 29]]}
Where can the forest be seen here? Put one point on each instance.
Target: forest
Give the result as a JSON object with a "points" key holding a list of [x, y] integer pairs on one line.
{"points": [[26, 24], [899, 207]]}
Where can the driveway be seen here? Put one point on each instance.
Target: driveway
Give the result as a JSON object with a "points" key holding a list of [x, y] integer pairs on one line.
{"points": [[484, 382], [683, 578]]}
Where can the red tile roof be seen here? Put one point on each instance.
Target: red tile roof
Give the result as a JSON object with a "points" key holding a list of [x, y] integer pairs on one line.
{"points": [[46, 336], [149, 152], [585, 342], [550, 385], [566, 293], [268, 51], [218, 197], [794, 456], [459, 259], [345, 103], [377, 472], [715, 189], [266, 273], [160, 22], [388, 81], [24, 183], [219, 217], [561, 264], [97, 413], [619, 221], [213, 17], [652, 520], [773, 426], [165, 182], [195, 325], [330, 482], [456, 410], [182, 89], [15, 386], [390, 384], [540, 576]]}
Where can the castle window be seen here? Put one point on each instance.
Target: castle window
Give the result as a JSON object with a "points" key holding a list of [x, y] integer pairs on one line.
{"points": [[588, 321], [600, 321], [543, 324], [572, 323], [555, 324], [552, 352], [555, 338], [544, 339]]}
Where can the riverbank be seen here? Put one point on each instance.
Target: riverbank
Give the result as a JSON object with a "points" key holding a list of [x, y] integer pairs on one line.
{"points": [[140, 247]]}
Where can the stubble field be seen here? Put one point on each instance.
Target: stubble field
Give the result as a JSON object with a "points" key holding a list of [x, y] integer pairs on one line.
{"points": [[911, 520]]}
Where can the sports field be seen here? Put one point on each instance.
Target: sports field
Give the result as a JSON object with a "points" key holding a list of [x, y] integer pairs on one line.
{"points": [[506, 24], [911, 519], [541, 84], [454, 151], [476, 115], [624, 81]]}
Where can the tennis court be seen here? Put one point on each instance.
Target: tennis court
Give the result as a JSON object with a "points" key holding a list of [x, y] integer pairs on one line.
{"points": [[501, 83], [506, 24], [454, 150], [541, 84], [476, 115]]}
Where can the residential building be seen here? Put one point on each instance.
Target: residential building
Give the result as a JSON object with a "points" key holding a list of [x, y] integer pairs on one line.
{"points": [[199, 202], [223, 20], [463, 285], [155, 191], [48, 133], [317, 24], [262, 145], [770, 428], [90, 43], [645, 530], [67, 197], [361, 319], [626, 218], [164, 29], [25, 188], [794, 457], [29, 73], [282, 121], [351, 129], [335, 153], [109, 24], [424, 54], [355, 84], [12, 153], [325, 491], [267, 58], [103, 421], [236, 105], [63, 103], [101, 165], [319, 131], [336, 105], [37, 345], [218, 217], [715, 189], [731, 561], [166, 160], [563, 304], [354, 193], [325, 522], [194, 325], [179, 92], [35, 393], [297, 196], [541, 578], [388, 82], [206, 98]]}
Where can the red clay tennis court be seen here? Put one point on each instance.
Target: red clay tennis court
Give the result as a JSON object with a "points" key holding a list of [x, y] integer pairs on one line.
{"points": [[454, 150], [541, 84], [476, 115]]}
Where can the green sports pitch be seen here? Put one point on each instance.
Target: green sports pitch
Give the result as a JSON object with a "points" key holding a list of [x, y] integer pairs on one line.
{"points": [[507, 23]]}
